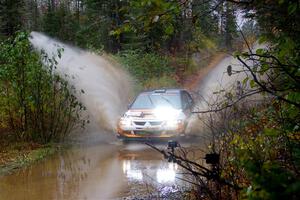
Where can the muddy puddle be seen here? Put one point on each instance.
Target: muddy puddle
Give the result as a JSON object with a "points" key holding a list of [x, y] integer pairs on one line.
{"points": [[96, 171]]}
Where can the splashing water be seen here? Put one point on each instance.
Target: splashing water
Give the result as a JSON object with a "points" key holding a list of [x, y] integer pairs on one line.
{"points": [[209, 89], [107, 88], [215, 81]]}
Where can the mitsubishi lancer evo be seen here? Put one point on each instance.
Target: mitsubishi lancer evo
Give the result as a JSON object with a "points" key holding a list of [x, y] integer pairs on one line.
{"points": [[160, 113]]}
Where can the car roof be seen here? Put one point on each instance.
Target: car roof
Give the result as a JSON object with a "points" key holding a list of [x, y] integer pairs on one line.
{"points": [[163, 91]]}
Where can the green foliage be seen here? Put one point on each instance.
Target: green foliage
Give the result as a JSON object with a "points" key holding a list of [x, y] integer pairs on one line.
{"points": [[147, 66], [36, 103], [264, 149], [229, 25], [60, 22], [156, 19], [114, 25], [206, 22], [160, 82], [170, 25], [20, 156], [201, 41], [277, 18], [96, 19]]}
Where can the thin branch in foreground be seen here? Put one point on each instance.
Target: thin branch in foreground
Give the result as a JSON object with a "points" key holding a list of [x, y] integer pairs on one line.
{"points": [[230, 104], [204, 172], [264, 87]]}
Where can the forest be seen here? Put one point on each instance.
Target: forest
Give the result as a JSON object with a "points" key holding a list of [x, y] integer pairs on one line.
{"points": [[166, 32], [162, 43]]}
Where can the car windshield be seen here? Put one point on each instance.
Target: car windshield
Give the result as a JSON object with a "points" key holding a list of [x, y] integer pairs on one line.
{"points": [[151, 101]]}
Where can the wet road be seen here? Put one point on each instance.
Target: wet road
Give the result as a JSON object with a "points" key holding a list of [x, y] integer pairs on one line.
{"points": [[96, 171]]}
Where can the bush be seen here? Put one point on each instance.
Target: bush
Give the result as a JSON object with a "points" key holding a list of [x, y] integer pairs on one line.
{"points": [[267, 153], [160, 82], [148, 67], [35, 103]]}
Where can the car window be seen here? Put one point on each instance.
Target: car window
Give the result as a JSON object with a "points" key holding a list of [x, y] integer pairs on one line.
{"points": [[142, 102], [166, 100], [153, 100], [190, 100], [187, 100]]}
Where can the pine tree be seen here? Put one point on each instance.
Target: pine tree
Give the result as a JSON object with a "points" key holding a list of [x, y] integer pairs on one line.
{"points": [[230, 25], [32, 16], [11, 16]]}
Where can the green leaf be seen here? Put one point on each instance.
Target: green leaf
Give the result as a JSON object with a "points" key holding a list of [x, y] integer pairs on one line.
{"points": [[262, 39], [169, 30], [294, 96], [259, 51], [252, 83], [116, 32], [236, 54], [292, 8], [245, 80], [271, 132]]}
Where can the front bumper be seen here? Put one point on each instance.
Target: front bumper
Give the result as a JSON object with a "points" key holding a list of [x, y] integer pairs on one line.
{"points": [[150, 133]]}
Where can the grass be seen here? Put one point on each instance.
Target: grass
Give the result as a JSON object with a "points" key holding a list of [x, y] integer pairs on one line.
{"points": [[160, 82], [149, 70], [16, 155]]}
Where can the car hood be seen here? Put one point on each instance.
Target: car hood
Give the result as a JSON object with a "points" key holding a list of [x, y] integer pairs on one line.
{"points": [[140, 113], [154, 114]]}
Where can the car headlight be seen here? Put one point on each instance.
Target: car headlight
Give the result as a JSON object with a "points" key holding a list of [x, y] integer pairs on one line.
{"points": [[125, 121], [174, 123], [166, 113]]}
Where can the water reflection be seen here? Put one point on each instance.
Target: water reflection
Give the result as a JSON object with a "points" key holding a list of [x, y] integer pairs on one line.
{"points": [[164, 174], [93, 172], [146, 165], [74, 174], [167, 174], [132, 174]]}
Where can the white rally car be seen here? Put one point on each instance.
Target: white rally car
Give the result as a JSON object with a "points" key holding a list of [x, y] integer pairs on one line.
{"points": [[157, 114]]}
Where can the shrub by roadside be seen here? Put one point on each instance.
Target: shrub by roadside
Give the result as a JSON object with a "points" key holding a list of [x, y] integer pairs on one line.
{"points": [[36, 104], [150, 70], [154, 70]]}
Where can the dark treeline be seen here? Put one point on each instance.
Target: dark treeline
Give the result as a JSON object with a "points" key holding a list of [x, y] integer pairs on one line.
{"points": [[125, 24], [180, 35]]}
